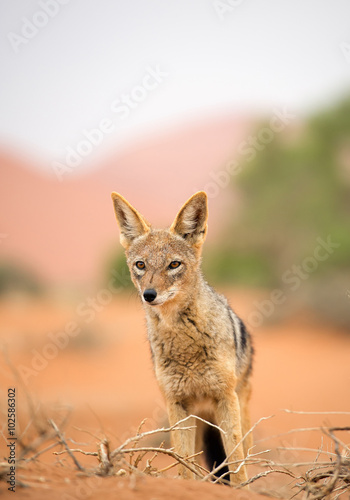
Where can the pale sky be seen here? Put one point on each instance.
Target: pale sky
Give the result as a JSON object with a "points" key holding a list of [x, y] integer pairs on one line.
{"points": [[64, 71]]}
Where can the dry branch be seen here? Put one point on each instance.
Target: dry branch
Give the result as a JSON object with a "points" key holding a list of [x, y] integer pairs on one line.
{"points": [[104, 457], [313, 480], [64, 442], [319, 479]]}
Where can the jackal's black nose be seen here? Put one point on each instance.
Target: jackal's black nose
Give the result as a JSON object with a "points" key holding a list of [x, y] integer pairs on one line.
{"points": [[150, 294]]}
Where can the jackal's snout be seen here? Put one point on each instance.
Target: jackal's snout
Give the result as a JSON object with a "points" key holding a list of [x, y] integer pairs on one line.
{"points": [[149, 294]]}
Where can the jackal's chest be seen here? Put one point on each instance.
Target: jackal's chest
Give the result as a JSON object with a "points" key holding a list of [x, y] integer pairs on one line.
{"points": [[188, 367]]}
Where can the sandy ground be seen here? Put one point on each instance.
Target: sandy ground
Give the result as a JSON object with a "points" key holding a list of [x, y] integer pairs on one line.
{"points": [[103, 377]]}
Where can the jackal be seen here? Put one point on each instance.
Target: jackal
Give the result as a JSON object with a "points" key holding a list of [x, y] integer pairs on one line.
{"points": [[202, 353]]}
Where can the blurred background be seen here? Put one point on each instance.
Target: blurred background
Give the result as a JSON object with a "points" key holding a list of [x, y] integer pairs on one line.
{"points": [[249, 101]]}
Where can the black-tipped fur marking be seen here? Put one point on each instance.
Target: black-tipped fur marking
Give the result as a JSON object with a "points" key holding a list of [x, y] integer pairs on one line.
{"points": [[244, 335], [234, 333]]}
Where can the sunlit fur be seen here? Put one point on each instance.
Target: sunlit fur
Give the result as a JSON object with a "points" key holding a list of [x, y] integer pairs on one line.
{"points": [[202, 353]]}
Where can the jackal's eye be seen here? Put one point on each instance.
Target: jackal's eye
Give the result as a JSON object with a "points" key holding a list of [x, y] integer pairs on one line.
{"points": [[174, 264], [140, 264]]}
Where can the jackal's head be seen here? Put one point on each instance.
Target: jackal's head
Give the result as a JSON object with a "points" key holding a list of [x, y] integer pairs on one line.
{"points": [[164, 263]]}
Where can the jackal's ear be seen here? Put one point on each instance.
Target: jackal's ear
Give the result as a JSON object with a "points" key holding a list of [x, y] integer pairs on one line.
{"points": [[131, 223], [191, 221]]}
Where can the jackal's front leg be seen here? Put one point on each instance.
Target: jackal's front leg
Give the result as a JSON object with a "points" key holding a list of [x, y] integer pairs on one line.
{"points": [[229, 418], [182, 440]]}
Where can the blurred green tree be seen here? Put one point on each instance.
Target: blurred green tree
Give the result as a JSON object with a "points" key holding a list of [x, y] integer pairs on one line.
{"points": [[296, 190], [13, 278]]}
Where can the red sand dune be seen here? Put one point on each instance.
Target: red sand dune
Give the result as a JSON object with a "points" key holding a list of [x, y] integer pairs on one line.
{"points": [[64, 229]]}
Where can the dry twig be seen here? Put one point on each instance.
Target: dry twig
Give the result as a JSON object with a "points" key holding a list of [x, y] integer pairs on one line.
{"points": [[64, 442]]}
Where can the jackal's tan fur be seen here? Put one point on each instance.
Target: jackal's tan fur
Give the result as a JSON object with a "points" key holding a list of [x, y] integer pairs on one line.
{"points": [[201, 350]]}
